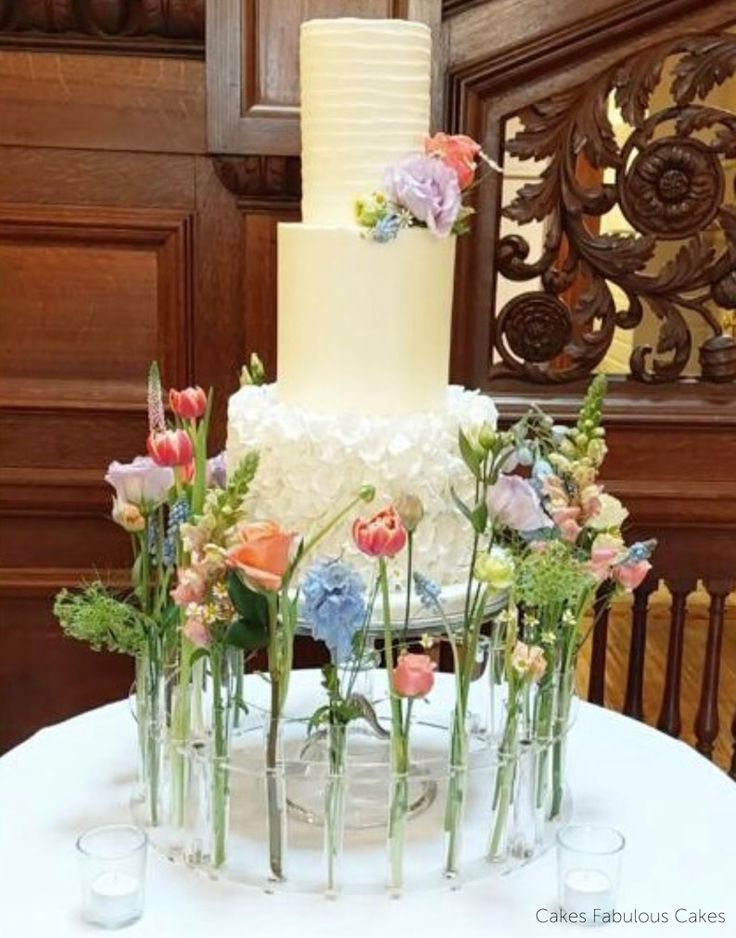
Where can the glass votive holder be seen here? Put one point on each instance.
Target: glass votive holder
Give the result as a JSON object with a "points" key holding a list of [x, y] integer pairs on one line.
{"points": [[588, 872], [113, 868]]}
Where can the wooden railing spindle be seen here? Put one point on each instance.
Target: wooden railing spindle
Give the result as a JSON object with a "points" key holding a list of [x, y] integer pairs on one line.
{"points": [[597, 679], [707, 722], [633, 701], [670, 720]]}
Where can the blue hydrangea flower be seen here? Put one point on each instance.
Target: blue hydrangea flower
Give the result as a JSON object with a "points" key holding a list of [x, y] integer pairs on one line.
{"points": [[428, 591], [332, 601], [386, 228]]}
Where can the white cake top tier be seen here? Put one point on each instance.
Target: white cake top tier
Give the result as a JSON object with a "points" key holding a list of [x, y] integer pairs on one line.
{"points": [[365, 100]]}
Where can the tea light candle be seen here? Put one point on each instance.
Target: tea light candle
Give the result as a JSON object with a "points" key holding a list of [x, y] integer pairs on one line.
{"points": [[585, 891], [115, 898]]}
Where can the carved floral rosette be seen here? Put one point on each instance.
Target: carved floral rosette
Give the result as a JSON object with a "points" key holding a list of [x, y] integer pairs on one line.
{"points": [[668, 181]]}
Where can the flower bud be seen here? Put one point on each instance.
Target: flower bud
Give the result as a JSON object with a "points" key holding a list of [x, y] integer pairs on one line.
{"points": [[188, 404], [413, 675], [253, 373], [128, 516], [367, 493], [410, 510], [487, 437]]}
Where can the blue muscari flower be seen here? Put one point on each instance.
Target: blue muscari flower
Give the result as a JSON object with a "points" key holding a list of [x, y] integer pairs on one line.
{"points": [[178, 514], [386, 228], [428, 591], [332, 601]]}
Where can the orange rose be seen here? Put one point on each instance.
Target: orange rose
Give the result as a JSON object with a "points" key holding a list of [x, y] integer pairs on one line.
{"points": [[456, 151], [262, 554]]}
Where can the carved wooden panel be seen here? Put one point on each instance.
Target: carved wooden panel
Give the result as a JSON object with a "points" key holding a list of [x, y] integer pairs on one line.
{"points": [[154, 27], [669, 182], [253, 66]]}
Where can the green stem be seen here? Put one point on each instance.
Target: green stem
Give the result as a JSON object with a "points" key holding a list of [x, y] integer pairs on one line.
{"points": [[275, 831], [409, 570], [220, 779]]}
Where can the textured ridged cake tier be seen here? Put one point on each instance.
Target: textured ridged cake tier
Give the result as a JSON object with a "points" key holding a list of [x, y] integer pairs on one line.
{"points": [[363, 327], [311, 464], [365, 98]]}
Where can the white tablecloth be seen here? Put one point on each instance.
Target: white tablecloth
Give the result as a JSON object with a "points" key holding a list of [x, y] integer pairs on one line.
{"points": [[677, 811]]}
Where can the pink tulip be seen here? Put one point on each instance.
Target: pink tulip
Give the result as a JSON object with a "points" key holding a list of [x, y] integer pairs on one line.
{"points": [[631, 575], [413, 675], [189, 403], [383, 535], [170, 448], [513, 503]]}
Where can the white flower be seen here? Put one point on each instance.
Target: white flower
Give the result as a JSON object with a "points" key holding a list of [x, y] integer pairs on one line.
{"points": [[611, 515]]}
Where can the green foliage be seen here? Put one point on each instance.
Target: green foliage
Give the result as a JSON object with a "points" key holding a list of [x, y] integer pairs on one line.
{"points": [[338, 711], [250, 630], [96, 616], [555, 577]]}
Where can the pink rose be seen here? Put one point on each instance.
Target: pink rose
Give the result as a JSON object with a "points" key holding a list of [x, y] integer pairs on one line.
{"points": [[191, 586], [428, 189], [383, 535], [262, 554], [513, 502], [170, 448], [631, 575], [197, 632], [413, 675], [458, 152], [189, 403]]}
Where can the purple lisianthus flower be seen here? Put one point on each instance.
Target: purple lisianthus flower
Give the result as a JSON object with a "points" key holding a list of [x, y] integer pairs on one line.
{"points": [[332, 601], [216, 471], [141, 482], [428, 189], [513, 502]]}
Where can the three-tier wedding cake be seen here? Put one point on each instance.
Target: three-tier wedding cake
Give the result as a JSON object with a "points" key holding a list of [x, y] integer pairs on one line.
{"points": [[363, 327]]}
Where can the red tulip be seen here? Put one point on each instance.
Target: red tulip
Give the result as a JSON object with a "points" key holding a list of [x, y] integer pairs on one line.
{"points": [[384, 535], [413, 675], [170, 448], [189, 403]]}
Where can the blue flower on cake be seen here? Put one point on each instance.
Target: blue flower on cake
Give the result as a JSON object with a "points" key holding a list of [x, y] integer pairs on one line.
{"points": [[334, 605]]}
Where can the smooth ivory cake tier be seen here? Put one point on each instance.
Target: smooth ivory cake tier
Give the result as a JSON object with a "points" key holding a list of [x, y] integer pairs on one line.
{"points": [[365, 101], [311, 464], [363, 328]]}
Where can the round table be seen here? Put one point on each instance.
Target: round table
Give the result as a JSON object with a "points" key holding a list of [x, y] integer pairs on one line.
{"points": [[677, 811]]}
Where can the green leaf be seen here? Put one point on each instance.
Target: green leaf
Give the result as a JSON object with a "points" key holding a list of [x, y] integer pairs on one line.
{"points": [[462, 507], [251, 606], [247, 635], [471, 457], [479, 517]]}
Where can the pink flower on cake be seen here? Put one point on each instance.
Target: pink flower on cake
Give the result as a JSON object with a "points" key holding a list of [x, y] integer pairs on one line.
{"points": [[513, 503], [413, 675], [262, 554], [428, 189], [383, 535], [458, 152], [631, 575], [170, 448], [188, 404]]}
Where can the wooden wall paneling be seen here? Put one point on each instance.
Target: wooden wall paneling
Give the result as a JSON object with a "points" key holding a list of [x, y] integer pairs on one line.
{"points": [[253, 69], [44, 676], [102, 102]]}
